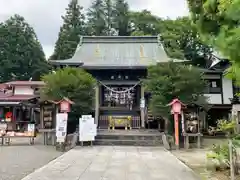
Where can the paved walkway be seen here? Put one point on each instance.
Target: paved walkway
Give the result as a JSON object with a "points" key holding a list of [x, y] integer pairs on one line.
{"points": [[114, 163], [19, 159]]}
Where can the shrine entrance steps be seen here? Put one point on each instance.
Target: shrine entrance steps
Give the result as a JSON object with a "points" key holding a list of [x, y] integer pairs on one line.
{"points": [[135, 137]]}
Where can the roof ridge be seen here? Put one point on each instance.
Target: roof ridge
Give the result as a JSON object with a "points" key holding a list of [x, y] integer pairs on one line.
{"points": [[117, 39]]}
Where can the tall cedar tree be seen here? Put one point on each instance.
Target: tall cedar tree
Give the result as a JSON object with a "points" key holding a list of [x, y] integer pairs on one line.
{"points": [[108, 13], [219, 21], [21, 54], [96, 24], [69, 35], [122, 18]]}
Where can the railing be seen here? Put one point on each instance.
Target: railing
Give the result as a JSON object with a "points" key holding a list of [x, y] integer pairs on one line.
{"points": [[104, 120]]}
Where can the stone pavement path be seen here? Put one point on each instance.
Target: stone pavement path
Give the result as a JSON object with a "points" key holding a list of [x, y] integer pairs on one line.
{"points": [[114, 163], [19, 159]]}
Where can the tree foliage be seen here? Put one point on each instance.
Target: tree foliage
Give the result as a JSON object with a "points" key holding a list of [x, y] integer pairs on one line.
{"points": [[218, 21], [170, 80], [69, 35], [181, 40], [122, 18], [179, 37], [145, 22], [21, 54], [108, 17], [73, 83], [96, 18]]}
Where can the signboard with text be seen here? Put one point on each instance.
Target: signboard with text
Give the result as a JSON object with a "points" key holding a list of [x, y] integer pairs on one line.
{"points": [[61, 127], [87, 128]]}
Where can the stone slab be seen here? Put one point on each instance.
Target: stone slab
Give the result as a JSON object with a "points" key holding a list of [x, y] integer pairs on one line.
{"points": [[115, 163]]}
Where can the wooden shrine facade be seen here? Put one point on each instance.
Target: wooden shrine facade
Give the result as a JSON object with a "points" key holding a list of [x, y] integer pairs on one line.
{"points": [[118, 97], [118, 63]]}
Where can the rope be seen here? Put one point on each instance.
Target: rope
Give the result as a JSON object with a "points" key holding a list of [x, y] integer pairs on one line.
{"points": [[120, 92]]}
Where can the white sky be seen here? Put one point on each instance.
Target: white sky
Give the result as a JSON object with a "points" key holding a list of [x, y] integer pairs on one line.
{"points": [[45, 15]]}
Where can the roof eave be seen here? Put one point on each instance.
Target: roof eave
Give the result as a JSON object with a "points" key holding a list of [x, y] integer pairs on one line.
{"points": [[65, 63], [114, 67]]}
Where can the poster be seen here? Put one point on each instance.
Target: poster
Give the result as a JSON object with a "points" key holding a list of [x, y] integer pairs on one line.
{"points": [[142, 103], [31, 128], [87, 128], [61, 127]]}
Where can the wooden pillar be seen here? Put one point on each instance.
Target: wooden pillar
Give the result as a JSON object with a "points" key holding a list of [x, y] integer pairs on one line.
{"points": [[41, 117], [142, 109], [96, 104]]}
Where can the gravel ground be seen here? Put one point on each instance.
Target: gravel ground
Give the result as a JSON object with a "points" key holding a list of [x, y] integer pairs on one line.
{"points": [[19, 159]]}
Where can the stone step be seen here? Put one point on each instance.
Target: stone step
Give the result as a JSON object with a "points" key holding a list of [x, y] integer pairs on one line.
{"points": [[129, 137], [117, 142]]}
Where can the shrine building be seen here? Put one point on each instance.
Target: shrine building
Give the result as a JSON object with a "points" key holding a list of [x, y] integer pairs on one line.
{"points": [[118, 63]]}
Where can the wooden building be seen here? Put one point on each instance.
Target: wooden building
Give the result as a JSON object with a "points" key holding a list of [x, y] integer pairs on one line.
{"points": [[19, 107], [118, 64]]}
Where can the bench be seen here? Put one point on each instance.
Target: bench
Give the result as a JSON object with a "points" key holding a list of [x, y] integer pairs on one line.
{"points": [[7, 139]]}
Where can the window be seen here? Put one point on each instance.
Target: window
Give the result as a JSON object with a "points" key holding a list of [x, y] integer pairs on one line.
{"points": [[213, 86]]}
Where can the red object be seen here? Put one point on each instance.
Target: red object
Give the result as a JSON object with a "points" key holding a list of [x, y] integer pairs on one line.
{"points": [[65, 105], [8, 115], [176, 122], [176, 105]]}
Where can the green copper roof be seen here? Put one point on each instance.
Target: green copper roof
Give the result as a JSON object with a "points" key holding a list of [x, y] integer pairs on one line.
{"points": [[117, 51]]}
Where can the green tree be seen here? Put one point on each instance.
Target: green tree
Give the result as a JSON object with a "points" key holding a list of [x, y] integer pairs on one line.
{"points": [[167, 81], [122, 18], [218, 21], [73, 83], [69, 35], [181, 40], [144, 22], [109, 15], [179, 37], [96, 19], [21, 54]]}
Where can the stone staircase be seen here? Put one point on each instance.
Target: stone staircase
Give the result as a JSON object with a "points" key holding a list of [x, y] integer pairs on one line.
{"points": [[129, 137]]}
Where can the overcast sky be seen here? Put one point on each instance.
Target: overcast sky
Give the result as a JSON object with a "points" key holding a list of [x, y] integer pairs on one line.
{"points": [[45, 15]]}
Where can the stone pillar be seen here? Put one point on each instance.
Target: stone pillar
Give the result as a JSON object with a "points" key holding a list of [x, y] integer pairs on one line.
{"points": [[235, 116], [142, 109], [96, 104]]}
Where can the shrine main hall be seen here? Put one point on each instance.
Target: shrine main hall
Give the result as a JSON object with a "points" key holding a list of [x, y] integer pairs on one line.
{"points": [[118, 63]]}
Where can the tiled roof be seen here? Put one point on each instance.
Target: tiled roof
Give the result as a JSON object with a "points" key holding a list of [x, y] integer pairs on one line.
{"points": [[10, 97], [117, 51], [25, 83]]}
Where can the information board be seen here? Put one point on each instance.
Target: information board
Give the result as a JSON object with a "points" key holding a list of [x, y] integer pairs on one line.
{"points": [[61, 127], [87, 128], [31, 129]]}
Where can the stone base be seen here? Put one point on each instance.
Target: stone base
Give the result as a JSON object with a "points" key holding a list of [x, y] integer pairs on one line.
{"points": [[129, 137]]}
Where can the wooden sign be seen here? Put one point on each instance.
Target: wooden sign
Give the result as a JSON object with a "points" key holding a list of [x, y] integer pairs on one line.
{"points": [[64, 106]]}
